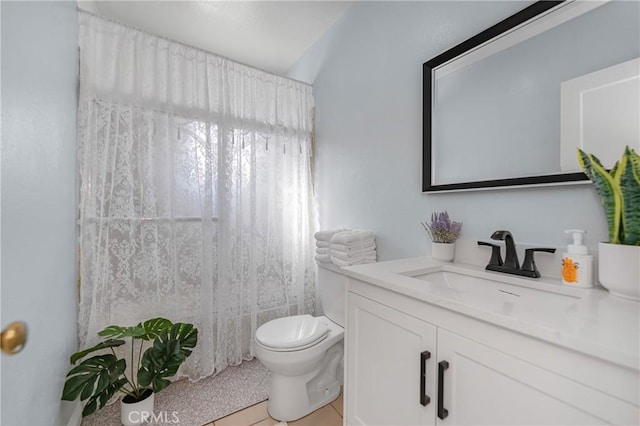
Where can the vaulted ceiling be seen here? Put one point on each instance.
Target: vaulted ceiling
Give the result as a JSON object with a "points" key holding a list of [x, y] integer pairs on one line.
{"points": [[270, 35]]}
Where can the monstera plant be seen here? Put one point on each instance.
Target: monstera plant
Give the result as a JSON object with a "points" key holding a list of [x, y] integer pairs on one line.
{"points": [[619, 190], [97, 379]]}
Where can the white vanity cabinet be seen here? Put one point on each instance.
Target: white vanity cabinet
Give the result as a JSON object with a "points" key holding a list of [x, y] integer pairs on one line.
{"points": [[475, 373], [484, 386], [388, 352]]}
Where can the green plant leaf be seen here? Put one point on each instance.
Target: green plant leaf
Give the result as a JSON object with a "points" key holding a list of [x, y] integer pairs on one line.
{"points": [[115, 331], [153, 327], [92, 376], [608, 189], [162, 360], [630, 189], [111, 343], [100, 399]]}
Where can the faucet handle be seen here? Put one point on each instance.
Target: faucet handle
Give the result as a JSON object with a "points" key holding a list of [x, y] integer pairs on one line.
{"points": [[496, 258], [529, 263]]}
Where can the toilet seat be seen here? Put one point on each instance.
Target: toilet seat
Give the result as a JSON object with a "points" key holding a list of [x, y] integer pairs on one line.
{"points": [[292, 333], [293, 349]]}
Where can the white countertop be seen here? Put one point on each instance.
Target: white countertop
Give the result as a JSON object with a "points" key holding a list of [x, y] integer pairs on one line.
{"points": [[593, 322]]}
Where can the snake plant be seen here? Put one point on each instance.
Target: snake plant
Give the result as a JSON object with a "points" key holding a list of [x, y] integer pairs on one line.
{"points": [[97, 379], [619, 190]]}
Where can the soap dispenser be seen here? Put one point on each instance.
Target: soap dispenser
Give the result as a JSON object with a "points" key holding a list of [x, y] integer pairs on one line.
{"points": [[577, 264]]}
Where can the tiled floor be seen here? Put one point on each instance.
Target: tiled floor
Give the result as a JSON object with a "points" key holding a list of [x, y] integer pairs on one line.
{"points": [[256, 415]]}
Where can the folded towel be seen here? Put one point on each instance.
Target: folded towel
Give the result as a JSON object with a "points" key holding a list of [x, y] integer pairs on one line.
{"points": [[326, 235], [371, 245], [322, 244], [368, 255], [352, 236], [339, 262], [323, 258], [323, 250]]}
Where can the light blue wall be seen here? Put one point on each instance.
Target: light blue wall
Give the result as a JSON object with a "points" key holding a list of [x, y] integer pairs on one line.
{"points": [[367, 78], [39, 81]]}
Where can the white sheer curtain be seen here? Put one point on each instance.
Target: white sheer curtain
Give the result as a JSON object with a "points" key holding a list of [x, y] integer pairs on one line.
{"points": [[196, 201]]}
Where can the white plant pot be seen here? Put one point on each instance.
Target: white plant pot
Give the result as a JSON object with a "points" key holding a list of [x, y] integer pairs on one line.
{"points": [[619, 269], [137, 413], [443, 251]]}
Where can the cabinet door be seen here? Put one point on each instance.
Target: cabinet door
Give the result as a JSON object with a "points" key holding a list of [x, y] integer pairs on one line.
{"points": [[483, 386], [386, 351]]}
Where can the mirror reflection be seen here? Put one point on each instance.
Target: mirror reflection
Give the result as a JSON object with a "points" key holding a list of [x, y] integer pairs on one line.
{"points": [[515, 107]]}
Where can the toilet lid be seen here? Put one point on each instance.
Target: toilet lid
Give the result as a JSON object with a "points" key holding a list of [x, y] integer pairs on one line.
{"points": [[291, 332]]}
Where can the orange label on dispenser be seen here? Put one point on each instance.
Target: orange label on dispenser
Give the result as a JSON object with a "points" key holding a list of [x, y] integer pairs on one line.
{"points": [[569, 270]]}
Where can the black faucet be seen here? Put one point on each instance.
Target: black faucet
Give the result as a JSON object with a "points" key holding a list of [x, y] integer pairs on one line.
{"points": [[511, 256], [511, 264]]}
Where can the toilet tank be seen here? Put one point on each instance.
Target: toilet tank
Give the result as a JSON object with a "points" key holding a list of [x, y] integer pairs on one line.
{"points": [[332, 286]]}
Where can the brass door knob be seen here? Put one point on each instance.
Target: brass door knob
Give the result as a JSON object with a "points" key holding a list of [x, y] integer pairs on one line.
{"points": [[13, 338]]}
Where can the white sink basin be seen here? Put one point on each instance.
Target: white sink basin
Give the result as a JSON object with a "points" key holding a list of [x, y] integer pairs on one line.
{"points": [[509, 291]]}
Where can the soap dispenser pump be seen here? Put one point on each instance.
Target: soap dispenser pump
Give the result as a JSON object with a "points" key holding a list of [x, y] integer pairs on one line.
{"points": [[577, 264]]}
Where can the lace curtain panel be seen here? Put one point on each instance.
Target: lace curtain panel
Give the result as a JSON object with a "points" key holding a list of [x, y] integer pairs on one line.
{"points": [[196, 201]]}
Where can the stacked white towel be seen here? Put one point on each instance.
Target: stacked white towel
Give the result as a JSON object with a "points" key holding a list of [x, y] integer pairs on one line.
{"points": [[323, 244], [353, 247]]}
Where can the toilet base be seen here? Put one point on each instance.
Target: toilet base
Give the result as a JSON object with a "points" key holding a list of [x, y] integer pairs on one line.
{"points": [[293, 397]]}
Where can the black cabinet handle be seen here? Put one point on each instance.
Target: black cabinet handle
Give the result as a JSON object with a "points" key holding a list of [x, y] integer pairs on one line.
{"points": [[442, 412], [424, 398]]}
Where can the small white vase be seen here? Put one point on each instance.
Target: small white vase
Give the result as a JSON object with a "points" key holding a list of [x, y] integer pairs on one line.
{"points": [[137, 413], [443, 251], [619, 269]]}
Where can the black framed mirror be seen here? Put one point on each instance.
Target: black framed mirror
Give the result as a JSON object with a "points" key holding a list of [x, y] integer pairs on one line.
{"points": [[492, 104]]}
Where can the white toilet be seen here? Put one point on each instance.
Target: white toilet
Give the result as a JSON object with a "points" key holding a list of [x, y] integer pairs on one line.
{"points": [[304, 353]]}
